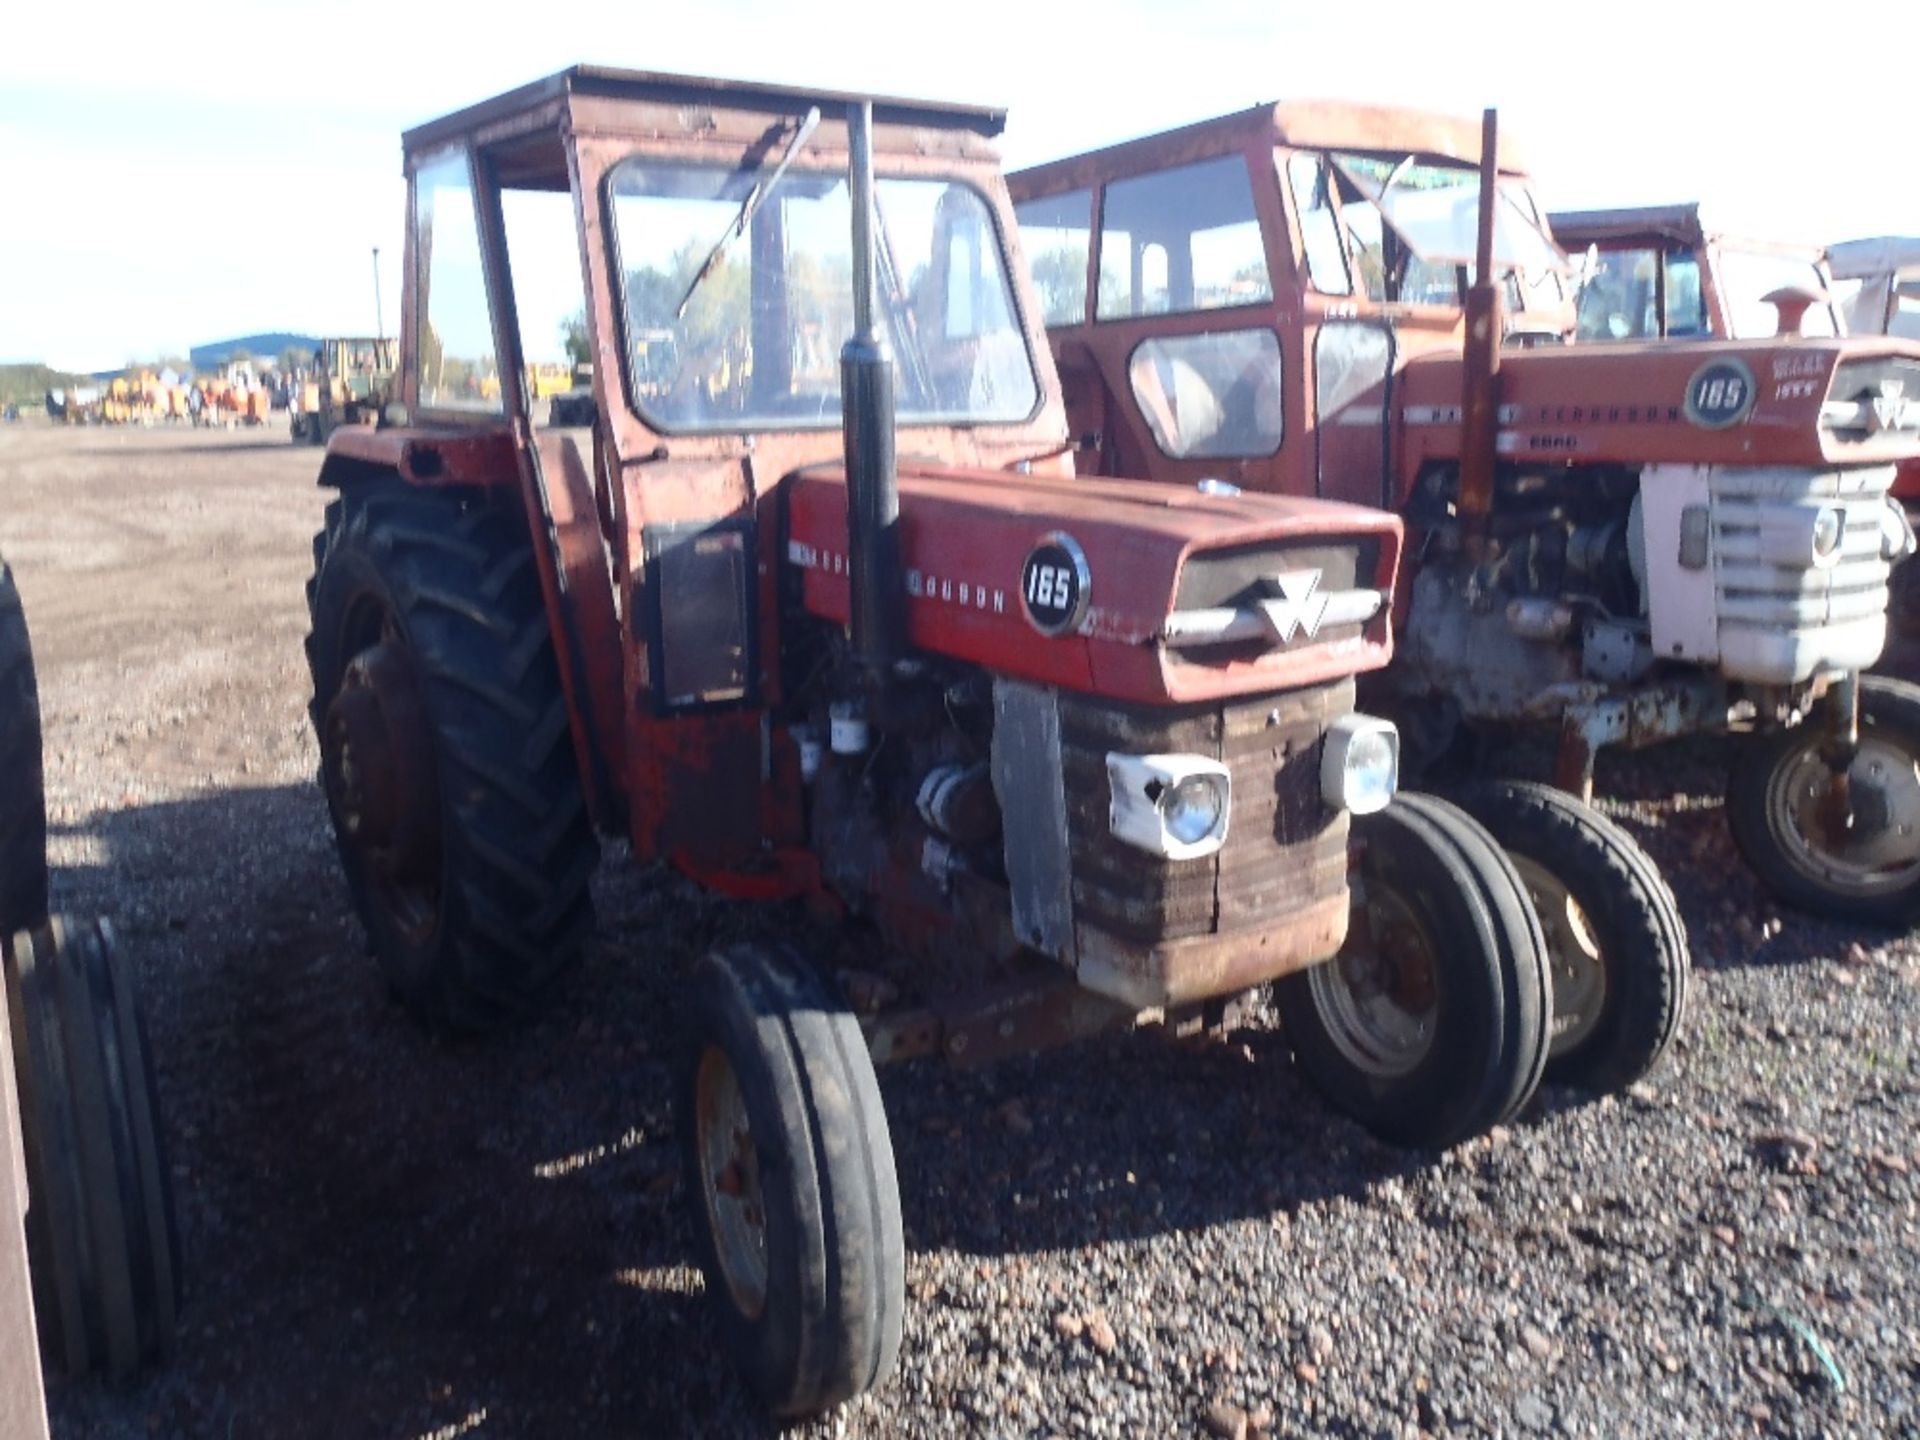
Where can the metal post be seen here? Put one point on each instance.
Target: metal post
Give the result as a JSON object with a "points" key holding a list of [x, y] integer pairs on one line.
{"points": [[379, 323], [878, 609], [23, 1410]]}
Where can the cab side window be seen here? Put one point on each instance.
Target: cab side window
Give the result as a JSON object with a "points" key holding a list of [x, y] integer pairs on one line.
{"points": [[1056, 231], [458, 370], [1181, 240]]}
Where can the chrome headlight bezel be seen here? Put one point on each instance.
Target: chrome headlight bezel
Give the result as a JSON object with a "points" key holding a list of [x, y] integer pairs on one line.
{"points": [[1145, 791], [1360, 764]]}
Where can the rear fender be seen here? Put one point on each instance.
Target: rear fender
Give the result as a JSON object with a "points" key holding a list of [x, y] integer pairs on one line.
{"points": [[574, 579]]}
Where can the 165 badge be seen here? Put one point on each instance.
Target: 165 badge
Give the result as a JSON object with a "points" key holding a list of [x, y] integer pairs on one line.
{"points": [[1055, 584], [1720, 394]]}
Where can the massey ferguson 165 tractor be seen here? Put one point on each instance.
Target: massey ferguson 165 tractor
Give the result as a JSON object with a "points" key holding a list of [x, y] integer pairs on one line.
{"points": [[76, 1086], [1660, 271], [1618, 543], [941, 696]]}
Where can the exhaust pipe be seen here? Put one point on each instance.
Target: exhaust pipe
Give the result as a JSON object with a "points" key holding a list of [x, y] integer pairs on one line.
{"points": [[1480, 402], [878, 606]]}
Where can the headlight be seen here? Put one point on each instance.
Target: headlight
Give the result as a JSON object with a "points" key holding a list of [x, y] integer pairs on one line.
{"points": [[1802, 537], [1176, 806], [1360, 767], [1194, 808], [1828, 528]]}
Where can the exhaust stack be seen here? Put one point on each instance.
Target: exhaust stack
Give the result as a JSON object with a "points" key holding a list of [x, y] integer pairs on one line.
{"points": [[866, 421], [1480, 404]]}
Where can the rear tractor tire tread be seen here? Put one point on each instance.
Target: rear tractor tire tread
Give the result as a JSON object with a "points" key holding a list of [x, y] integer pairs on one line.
{"points": [[23, 810], [518, 846]]}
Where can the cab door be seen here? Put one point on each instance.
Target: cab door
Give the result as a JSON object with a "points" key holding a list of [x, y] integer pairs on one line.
{"points": [[1184, 331]]}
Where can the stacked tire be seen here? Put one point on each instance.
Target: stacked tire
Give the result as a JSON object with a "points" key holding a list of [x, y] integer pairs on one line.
{"points": [[102, 1242]]}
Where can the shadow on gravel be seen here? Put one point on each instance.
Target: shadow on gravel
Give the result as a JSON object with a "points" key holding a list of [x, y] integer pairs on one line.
{"points": [[394, 1235], [388, 1234], [234, 447]]}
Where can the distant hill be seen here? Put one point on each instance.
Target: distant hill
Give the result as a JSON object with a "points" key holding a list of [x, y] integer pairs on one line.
{"points": [[260, 347], [27, 384]]}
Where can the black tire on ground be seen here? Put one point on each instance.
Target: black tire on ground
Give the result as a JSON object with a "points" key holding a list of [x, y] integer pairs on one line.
{"points": [[101, 1238], [1431, 1025], [1777, 787], [790, 1179], [23, 808], [1615, 939], [469, 864]]}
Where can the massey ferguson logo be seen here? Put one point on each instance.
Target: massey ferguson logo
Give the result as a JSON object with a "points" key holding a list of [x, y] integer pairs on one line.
{"points": [[1301, 607]]}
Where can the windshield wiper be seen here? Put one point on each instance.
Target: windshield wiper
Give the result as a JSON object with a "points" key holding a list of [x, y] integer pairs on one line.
{"points": [[762, 187]]}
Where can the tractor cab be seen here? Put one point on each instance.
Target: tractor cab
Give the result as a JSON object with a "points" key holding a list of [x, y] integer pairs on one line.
{"points": [[1659, 272], [1218, 294]]}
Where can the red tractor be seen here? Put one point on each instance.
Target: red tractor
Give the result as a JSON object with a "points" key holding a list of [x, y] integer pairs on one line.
{"points": [[82, 1151], [836, 624], [1610, 545]]}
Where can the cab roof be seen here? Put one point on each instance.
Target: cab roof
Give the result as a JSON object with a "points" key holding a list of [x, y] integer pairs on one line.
{"points": [[653, 88], [1304, 124]]}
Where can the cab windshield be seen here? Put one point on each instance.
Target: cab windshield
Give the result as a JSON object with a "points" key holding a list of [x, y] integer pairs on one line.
{"points": [[1404, 232], [753, 340]]}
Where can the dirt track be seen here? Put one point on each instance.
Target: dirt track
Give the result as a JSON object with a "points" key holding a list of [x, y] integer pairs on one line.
{"points": [[393, 1237]]}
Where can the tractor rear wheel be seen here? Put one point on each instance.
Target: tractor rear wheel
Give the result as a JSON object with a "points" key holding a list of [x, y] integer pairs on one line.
{"points": [[1617, 944], [1431, 1024], [446, 752], [101, 1239], [790, 1178], [23, 810], [1842, 843]]}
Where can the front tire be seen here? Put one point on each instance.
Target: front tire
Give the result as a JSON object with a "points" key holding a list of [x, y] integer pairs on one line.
{"points": [[1615, 939], [790, 1179], [23, 806], [446, 753], [101, 1238], [1856, 861], [1431, 1025]]}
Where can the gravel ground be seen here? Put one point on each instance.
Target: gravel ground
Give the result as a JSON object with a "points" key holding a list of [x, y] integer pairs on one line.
{"points": [[392, 1237]]}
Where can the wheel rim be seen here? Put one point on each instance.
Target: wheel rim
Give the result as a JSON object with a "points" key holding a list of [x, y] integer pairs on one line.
{"points": [[1862, 841], [730, 1182], [1378, 998], [377, 765], [1573, 952]]}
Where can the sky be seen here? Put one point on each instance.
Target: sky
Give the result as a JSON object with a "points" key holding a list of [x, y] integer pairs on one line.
{"points": [[169, 178]]}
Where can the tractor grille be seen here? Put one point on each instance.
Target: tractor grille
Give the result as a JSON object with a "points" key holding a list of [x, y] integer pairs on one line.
{"points": [[1779, 621], [1285, 848]]}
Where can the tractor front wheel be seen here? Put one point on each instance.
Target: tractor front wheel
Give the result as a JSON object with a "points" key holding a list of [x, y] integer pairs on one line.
{"points": [[1837, 835], [101, 1238], [1615, 939], [1431, 1024], [446, 753], [790, 1177]]}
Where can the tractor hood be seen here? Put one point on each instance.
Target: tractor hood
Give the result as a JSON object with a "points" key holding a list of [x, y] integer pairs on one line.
{"points": [[1142, 593], [1812, 402]]}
